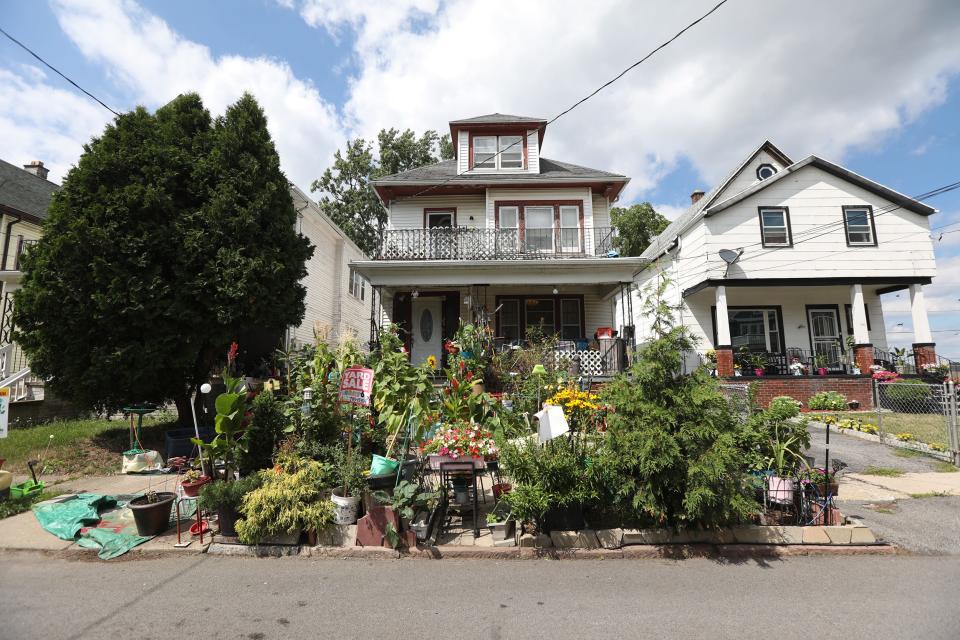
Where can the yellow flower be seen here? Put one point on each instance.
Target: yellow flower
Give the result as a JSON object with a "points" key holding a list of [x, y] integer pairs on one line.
{"points": [[432, 361]]}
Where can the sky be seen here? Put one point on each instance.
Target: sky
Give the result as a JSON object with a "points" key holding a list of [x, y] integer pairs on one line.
{"points": [[872, 84]]}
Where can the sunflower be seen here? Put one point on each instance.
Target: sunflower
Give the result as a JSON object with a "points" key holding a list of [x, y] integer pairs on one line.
{"points": [[432, 361]]}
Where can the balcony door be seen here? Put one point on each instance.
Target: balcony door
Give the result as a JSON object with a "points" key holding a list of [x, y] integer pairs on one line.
{"points": [[441, 243], [825, 338]]}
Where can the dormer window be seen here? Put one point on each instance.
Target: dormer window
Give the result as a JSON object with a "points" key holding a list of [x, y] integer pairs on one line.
{"points": [[497, 152]]}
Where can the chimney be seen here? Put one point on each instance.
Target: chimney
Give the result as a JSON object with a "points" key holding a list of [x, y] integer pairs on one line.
{"points": [[36, 168], [695, 196]]}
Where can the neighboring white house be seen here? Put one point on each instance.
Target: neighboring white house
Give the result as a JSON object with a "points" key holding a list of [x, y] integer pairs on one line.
{"points": [[810, 247], [501, 234], [338, 298]]}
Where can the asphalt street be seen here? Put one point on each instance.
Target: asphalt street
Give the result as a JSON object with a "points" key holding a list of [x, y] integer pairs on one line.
{"points": [[203, 596]]}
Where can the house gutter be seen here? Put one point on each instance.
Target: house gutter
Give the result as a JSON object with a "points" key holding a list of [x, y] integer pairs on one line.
{"points": [[6, 242]]}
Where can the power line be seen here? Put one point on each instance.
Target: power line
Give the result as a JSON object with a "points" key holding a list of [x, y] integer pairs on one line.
{"points": [[587, 97], [57, 71]]}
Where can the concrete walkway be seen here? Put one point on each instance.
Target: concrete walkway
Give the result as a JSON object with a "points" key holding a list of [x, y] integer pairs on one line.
{"points": [[23, 531]]}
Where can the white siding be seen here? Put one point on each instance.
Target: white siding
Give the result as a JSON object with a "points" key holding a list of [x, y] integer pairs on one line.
{"points": [[407, 213], [747, 176], [815, 198], [533, 152], [601, 212], [463, 152]]}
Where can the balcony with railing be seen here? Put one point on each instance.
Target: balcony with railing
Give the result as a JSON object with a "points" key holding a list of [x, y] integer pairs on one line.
{"points": [[15, 252], [467, 243]]}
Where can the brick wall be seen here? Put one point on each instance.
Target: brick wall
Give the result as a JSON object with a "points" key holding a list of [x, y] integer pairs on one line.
{"points": [[802, 387]]}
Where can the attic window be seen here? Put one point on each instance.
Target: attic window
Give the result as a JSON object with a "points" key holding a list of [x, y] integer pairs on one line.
{"points": [[498, 152], [765, 171]]}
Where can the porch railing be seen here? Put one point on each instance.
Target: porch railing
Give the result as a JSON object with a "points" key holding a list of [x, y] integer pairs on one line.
{"points": [[602, 358], [467, 243]]}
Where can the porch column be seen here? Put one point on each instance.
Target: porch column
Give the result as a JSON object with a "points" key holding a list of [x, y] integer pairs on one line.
{"points": [[924, 349], [862, 347], [723, 348]]}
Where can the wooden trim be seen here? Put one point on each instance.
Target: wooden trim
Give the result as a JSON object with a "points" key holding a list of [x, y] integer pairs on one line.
{"points": [[557, 325], [786, 219], [428, 210], [747, 307], [873, 225], [897, 282]]}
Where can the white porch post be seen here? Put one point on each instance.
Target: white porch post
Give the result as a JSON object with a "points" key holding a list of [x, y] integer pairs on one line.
{"points": [[723, 318], [860, 332], [918, 308]]}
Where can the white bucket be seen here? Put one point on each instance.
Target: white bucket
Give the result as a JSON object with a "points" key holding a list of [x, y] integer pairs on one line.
{"points": [[345, 509]]}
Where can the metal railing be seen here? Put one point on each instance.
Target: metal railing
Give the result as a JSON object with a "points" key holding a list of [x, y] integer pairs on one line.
{"points": [[467, 243], [17, 251], [906, 364]]}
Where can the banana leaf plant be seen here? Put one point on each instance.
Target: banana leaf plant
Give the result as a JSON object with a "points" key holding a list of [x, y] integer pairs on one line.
{"points": [[233, 412]]}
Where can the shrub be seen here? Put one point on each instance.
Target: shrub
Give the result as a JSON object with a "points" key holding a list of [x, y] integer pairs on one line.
{"points": [[907, 390], [671, 457], [905, 437], [827, 401], [784, 407], [291, 497], [227, 495], [264, 433], [552, 475]]}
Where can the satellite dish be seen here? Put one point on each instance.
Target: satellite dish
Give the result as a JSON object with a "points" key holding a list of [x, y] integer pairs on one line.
{"points": [[730, 256]]}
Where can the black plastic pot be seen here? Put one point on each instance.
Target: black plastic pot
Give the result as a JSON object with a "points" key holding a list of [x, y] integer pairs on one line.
{"points": [[227, 517], [568, 517], [152, 518]]}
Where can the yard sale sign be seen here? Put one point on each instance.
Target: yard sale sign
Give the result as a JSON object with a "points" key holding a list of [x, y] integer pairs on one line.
{"points": [[356, 386]]}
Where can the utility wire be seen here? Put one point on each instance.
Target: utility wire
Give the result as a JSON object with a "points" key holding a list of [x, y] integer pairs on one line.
{"points": [[57, 71], [576, 104]]}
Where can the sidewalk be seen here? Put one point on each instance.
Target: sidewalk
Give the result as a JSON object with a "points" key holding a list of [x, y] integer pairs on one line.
{"points": [[858, 486], [23, 532]]}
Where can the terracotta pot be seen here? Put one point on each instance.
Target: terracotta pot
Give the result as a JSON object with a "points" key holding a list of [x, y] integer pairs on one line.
{"points": [[191, 489], [500, 489]]}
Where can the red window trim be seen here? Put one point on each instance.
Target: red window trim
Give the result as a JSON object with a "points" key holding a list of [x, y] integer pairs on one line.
{"points": [[557, 324], [428, 210], [521, 222], [497, 134]]}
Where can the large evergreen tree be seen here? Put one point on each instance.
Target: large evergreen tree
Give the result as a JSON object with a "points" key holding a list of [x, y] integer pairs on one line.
{"points": [[347, 196], [170, 236]]}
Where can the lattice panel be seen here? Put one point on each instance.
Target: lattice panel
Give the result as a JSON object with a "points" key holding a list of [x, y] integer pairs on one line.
{"points": [[591, 362]]}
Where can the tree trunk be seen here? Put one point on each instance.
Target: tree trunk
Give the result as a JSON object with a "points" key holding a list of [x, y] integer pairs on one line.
{"points": [[184, 416]]}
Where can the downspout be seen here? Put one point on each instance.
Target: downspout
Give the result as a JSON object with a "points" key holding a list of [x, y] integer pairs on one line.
{"points": [[6, 242]]}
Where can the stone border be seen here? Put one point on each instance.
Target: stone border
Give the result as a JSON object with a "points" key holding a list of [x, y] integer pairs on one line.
{"points": [[889, 440]]}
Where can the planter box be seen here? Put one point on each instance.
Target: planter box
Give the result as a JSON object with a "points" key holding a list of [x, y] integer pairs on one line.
{"points": [[435, 461], [500, 531]]}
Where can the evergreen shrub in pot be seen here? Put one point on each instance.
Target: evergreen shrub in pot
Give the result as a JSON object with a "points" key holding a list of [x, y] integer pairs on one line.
{"points": [[225, 499]]}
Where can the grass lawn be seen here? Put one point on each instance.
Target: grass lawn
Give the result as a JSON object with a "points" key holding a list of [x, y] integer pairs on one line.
{"points": [[78, 447], [888, 472], [925, 427]]}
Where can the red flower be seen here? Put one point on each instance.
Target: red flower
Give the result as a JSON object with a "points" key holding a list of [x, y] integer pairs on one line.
{"points": [[454, 383], [232, 353], [469, 376]]}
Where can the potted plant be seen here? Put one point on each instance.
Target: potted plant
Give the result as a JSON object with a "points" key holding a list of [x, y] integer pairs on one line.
{"points": [[407, 500], [225, 499], [816, 478], [460, 442], [759, 363], [784, 448], [192, 482], [899, 358], [350, 481], [151, 512], [821, 361], [500, 522], [230, 423]]}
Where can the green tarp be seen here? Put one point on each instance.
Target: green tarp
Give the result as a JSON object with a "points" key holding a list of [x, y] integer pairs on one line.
{"points": [[65, 518]]}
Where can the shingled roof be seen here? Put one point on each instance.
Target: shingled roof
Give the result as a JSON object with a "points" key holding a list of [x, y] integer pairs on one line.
{"points": [[21, 192], [498, 118]]}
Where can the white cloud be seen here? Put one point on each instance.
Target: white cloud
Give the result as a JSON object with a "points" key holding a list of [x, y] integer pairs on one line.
{"points": [[154, 64], [670, 211], [814, 78], [42, 122]]}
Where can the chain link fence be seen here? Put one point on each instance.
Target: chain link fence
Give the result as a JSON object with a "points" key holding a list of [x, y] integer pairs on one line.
{"points": [[919, 413]]}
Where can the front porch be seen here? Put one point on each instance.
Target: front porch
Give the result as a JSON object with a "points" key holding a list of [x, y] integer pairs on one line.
{"points": [[759, 328]]}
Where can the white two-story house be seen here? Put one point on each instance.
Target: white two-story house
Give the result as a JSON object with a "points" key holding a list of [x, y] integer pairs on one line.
{"points": [[501, 235], [787, 259]]}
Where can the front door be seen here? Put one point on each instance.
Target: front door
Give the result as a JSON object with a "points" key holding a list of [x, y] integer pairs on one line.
{"points": [[425, 334], [825, 335]]}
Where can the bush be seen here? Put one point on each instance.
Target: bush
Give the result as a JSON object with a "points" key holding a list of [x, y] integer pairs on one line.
{"points": [[264, 433], [227, 495], [291, 497], [671, 458], [784, 407], [907, 390], [827, 401]]}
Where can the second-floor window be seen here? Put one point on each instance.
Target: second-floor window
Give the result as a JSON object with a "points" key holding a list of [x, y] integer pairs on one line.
{"points": [[858, 224], [545, 227], [358, 286], [497, 152], [775, 227]]}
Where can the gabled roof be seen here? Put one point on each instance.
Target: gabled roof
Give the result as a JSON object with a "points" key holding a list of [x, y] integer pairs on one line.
{"points": [[686, 219], [308, 203], [906, 202], [499, 118], [23, 193]]}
